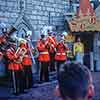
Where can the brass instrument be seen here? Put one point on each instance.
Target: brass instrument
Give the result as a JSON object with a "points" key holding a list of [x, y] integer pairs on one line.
{"points": [[69, 54], [20, 53], [35, 52]]}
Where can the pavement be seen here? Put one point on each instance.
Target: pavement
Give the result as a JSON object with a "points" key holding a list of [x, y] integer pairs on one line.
{"points": [[96, 81], [44, 91]]}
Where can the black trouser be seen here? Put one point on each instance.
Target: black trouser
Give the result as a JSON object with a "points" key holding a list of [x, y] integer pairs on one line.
{"points": [[59, 63], [17, 81], [44, 74], [52, 62], [28, 79]]}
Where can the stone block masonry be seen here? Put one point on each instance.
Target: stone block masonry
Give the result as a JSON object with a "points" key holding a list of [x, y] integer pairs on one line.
{"points": [[38, 12]]}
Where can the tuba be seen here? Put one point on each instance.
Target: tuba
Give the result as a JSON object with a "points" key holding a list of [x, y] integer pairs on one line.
{"points": [[20, 53]]}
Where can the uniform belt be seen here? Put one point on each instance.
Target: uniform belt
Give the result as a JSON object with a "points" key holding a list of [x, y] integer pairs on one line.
{"points": [[61, 53], [44, 53], [17, 61], [26, 55], [11, 61]]}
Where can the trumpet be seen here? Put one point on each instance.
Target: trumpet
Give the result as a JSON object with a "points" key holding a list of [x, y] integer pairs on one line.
{"points": [[20, 53]]}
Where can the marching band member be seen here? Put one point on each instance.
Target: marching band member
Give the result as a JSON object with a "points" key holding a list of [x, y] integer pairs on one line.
{"points": [[78, 51], [27, 64], [43, 58], [15, 68], [1, 55], [2, 65], [60, 55], [52, 50], [3, 28], [51, 38]]}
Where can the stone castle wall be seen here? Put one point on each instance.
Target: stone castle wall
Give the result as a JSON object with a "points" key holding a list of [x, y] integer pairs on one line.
{"points": [[38, 12]]}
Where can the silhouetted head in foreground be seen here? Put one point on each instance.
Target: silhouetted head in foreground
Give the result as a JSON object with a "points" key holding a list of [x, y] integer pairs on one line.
{"points": [[75, 82]]}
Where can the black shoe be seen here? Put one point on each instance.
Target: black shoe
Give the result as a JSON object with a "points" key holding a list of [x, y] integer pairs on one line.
{"points": [[47, 80], [23, 92], [40, 82], [16, 94], [34, 86], [52, 70]]}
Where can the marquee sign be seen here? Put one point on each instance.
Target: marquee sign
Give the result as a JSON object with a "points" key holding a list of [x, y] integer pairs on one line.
{"points": [[85, 23], [86, 19]]}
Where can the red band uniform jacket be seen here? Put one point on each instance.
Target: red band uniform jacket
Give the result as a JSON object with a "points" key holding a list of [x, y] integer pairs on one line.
{"points": [[27, 57], [43, 51], [61, 52], [14, 64]]}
